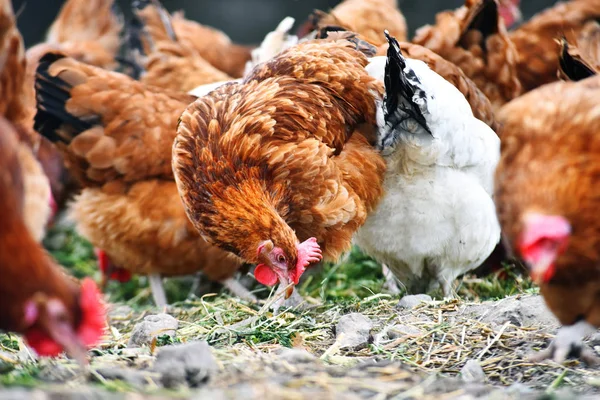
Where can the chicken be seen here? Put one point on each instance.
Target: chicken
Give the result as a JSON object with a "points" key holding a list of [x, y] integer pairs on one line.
{"points": [[581, 58], [166, 62], [474, 38], [367, 18], [437, 219], [547, 199], [51, 310], [536, 40], [39, 203], [116, 135], [211, 44], [267, 168]]}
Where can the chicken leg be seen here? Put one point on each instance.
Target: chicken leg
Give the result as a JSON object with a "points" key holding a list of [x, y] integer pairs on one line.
{"points": [[568, 343], [391, 284], [239, 290], [158, 290]]}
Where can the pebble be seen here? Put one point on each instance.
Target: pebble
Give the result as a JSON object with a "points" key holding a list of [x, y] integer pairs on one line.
{"points": [[413, 300], [191, 363], [356, 329], [153, 326], [472, 372]]}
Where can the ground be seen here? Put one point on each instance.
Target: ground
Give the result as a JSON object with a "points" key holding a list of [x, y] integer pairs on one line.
{"points": [[348, 338]]}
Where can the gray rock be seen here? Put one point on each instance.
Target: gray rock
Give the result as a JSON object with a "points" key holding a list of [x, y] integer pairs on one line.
{"points": [[413, 300], [152, 326], [191, 363], [518, 310], [295, 356], [472, 372], [396, 331], [131, 376], [356, 329]]}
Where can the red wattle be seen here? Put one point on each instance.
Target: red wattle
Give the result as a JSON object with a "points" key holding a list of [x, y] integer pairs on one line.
{"points": [[265, 275]]}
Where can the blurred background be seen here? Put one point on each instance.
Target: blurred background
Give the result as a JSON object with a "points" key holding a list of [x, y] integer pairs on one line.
{"points": [[245, 21]]}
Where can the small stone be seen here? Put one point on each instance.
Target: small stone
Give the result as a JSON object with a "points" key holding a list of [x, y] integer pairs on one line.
{"points": [[595, 339], [153, 326], [472, 372], [131, 376], [192, 363], [413, 300], [356, 329], [396, 331], [295, 356], [518, 389]]}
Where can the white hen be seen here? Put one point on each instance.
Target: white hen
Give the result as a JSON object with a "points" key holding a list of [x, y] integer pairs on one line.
{"points": [[437, 219]]}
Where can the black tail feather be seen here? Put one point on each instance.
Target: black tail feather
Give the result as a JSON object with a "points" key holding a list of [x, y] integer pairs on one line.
{"points": [[399, 90], [52, 94]]}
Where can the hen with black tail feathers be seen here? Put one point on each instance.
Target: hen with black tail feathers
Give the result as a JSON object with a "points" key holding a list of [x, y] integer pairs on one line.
{"points": [[437, 219]]}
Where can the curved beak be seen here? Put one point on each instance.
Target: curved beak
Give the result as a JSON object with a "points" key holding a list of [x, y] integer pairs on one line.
{"points": [[64, 335], [285, 284]]}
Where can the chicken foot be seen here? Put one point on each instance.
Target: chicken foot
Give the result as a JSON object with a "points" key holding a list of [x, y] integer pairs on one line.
{"points": [[158, 291], [391, 284], [239, 290], [568, 344]]}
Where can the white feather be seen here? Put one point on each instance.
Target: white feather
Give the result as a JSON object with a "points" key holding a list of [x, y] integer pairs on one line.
{"points": [[437, 219], [209, 87], [274, 43]]}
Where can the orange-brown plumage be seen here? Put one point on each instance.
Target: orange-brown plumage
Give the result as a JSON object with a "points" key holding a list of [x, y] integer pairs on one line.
{"points": [[167, 62], [34, 291], [277, 159], [368, 18], [474, 38], [536, 40], [213, 45], [117, 134], [547, 193]]}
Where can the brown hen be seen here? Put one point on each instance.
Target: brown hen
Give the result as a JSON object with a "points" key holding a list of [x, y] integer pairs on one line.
{"points": [[474, 38], [116, 135], [536, 40], [38, 299], [547, 196], [268, 168]]}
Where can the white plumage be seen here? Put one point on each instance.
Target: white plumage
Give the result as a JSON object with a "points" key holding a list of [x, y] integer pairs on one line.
{"points": [[437, 219]]}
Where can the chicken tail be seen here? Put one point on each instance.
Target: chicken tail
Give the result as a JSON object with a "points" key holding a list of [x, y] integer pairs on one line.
{"points": [[401, 88], [52, 119]]}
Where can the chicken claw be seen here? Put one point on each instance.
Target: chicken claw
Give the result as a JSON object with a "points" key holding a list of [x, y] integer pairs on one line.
{"points": [[568, 344]]}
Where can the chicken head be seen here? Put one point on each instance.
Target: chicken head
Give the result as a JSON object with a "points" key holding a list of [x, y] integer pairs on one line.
{"points": [[277, 265], [544, 239]]}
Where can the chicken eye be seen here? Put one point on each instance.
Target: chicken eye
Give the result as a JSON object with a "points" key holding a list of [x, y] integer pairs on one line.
{"points": [[281, 258]]}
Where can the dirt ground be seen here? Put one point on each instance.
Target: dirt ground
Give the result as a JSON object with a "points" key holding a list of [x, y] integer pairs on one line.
{"points": [[222, 348]]}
